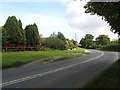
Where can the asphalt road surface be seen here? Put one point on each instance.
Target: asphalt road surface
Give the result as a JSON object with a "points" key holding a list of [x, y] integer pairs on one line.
{"points": [[70, 73]]}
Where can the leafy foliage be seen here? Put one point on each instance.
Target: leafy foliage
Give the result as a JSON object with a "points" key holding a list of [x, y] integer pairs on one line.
{"points": [[54, 43], [110, 12], [69, 44], [87, 41], [102, 40], [61, 36], [32, 35], [5, 37], [16, 36]]}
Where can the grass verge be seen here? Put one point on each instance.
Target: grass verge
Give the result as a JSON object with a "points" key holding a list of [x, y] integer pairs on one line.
{"points": [[66, 57], [10, 59], [63, 57], [107, 79]]}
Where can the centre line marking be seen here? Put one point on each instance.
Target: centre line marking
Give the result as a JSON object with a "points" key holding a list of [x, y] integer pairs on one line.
{"points": [[48, 72]]}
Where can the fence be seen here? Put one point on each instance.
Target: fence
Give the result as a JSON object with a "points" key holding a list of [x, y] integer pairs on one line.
{"points": [[22, 48]]}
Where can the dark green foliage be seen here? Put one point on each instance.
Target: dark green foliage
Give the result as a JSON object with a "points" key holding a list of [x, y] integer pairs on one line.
{"points": [[32, 35], [61, 36], [5, 37], [114, 47], [110, 12], [87, 41], [89, 36], [16, 36], [102, 40], [54, 43]]}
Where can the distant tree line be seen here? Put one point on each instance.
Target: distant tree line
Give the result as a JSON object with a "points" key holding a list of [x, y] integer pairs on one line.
{"points": [[89, 42], [100, 42], [58, 41], [14, 35]]}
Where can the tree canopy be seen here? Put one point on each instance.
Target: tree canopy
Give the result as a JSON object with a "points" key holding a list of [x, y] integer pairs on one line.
{"points": [[87, 41], [32, 35], [16, 36], [102, 40], [110, 12], [61, 36]]}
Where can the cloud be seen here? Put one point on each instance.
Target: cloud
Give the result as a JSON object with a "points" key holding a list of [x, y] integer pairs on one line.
{"points": [[85, 23], [76, 21], [47, 24]]}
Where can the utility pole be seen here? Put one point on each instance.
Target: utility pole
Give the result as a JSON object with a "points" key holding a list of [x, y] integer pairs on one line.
{"points": [[75, 37]]}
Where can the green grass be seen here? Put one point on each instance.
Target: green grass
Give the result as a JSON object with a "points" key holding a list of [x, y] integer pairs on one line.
{"points": [[10, 59], [107, 79]]}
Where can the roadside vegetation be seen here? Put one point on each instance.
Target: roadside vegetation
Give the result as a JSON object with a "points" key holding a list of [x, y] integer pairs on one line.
{"points": [[102, 42], [107, 79], [10, 59], [107, 10], [13, 35]]}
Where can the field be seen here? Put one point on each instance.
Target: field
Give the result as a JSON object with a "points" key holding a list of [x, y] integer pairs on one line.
{"points": [[10, 59]]}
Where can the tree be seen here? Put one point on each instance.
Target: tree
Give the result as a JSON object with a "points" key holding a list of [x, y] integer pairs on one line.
{"points": [[74, 42], [110, 12], [115, 41], [53, 35], [61, 36], [89, 36], [13, 27], [5, 37], [32, 35], [70, 44], [87, 41], [54, 43], [102, 40]]}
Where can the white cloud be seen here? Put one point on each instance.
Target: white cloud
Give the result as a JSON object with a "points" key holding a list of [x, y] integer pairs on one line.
{"points": [[76, 21], [86, 23]]}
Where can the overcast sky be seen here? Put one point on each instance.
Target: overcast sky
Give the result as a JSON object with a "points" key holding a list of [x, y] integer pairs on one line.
{"points": [[66, 17]]}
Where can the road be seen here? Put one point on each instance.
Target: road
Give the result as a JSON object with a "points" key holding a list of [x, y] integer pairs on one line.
{"points": [[71, 73]]}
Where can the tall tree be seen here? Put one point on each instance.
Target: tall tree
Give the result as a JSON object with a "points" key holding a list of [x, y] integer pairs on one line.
{"points": [[110, 12], [32, 35], [102, 40], [16, 33]]}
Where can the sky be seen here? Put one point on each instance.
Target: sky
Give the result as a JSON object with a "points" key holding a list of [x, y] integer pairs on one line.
{"points": [[66, 17]]}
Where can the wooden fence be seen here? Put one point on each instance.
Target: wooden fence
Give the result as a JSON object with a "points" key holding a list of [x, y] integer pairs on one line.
{"points": [[21, 48]]}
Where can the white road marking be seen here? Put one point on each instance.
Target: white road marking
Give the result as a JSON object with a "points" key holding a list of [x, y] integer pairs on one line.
{"points": [[45, 73]]}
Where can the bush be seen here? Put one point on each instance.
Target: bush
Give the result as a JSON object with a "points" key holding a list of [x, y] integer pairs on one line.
{"points": [[46, 49], [113, 47], [54, 43]]}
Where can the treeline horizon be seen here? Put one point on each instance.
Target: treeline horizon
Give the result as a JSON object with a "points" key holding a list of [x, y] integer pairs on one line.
{"points": [[14, 35]]}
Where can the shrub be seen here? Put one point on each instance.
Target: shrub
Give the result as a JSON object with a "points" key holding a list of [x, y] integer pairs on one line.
{"points": [[54, 43], [112, 47]]}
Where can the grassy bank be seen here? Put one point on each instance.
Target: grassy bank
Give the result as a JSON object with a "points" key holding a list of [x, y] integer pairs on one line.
{"points": [[107, 79], [10, 59]]}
